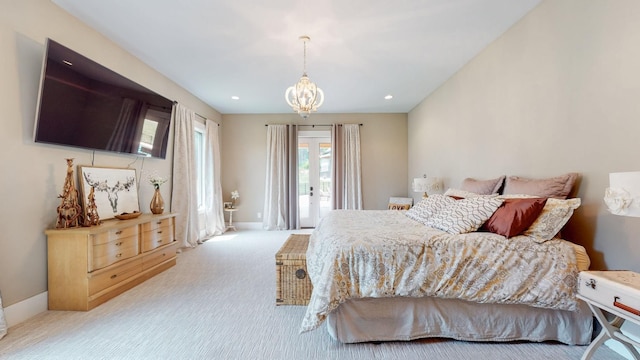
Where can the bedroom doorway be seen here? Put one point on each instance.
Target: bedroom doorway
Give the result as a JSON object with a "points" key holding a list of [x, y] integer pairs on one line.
{"points": [[314, 176]]}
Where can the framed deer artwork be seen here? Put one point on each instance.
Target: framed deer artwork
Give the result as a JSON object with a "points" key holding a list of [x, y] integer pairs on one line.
{"points": [[115, 190]]}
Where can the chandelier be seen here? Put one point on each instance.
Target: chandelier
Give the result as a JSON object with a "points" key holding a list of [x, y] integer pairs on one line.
{"points": [[304, 97]]}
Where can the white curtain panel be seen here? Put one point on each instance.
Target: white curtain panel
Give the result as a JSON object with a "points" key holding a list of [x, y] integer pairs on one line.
{"points": [[3, 322], [214, 216], [347, 172], [184, 199], [276, 197]]}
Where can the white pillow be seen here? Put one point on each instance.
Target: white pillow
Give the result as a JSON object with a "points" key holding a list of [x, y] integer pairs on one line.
{"points": [[426, 208], [555, 214], [465, 194], [465, 215]]}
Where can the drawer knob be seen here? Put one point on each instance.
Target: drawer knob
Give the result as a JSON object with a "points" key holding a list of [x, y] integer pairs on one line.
{"points": [[159, 223], [118, 232], [119, 243], [301, 274], [119, 255], [114, 276], [160, 232], [159, 241]]}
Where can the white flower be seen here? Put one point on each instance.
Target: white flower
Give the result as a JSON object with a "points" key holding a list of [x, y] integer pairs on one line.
{"points": [[618, 200], [235, 195], [157, 180]]}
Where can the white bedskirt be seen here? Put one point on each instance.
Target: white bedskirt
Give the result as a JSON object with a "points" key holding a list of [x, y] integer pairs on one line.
{"points": [[390, 319]]}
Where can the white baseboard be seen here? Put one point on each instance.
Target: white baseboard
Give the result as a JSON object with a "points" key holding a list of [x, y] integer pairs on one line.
{"points": [[630, 329], [248, 225], [26, 309]]}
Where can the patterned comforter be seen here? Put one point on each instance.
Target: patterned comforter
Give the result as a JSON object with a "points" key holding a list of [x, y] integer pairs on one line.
{"points": [[368, 254]]}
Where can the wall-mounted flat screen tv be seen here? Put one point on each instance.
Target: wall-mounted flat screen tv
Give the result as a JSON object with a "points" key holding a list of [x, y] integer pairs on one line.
{"points": [[84, 104]]}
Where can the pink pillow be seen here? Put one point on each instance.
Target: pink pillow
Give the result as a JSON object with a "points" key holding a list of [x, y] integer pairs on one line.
{"points": [[514, 216], [482, 187], [557, 187]]}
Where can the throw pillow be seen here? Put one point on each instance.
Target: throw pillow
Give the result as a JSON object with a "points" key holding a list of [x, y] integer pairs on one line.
{"points": [[514, 216], [555, 214], [426, 208], [465, 215], [399, 206], [463, 194]]}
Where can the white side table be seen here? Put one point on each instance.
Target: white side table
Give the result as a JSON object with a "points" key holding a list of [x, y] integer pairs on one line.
{"points": [[611, 291], [230, 226]]}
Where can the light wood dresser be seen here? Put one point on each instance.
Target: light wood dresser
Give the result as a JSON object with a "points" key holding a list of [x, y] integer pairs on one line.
{"points": [[90, 265]]}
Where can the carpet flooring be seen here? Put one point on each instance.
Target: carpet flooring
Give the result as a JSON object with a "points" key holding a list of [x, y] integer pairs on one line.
{"points": [[218, 302]]}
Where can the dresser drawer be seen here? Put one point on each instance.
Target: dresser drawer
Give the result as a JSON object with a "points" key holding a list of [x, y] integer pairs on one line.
{"points": [[101, 280], [154, 258], [114, 234], [161, 235], [105, 254], [157, 224]]}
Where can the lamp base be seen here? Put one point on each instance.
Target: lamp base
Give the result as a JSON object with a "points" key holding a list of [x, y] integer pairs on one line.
{"points": [[424, 196]]}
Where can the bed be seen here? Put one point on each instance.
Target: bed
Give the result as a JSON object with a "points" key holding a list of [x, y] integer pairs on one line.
{"points": [[384, 275]]}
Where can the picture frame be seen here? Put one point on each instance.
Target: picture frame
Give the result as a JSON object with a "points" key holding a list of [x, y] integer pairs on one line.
{"points": [[228, 204], [115, 190]]}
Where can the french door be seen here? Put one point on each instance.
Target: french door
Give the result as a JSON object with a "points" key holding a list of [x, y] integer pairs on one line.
{"points": [[314, 176]]}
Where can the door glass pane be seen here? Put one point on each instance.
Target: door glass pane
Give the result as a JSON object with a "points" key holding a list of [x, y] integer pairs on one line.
{"points": [[303, 179], [325, 177]]}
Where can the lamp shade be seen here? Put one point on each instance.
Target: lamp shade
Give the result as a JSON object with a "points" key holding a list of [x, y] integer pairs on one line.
{"points": [[426, 185], [622, 197]]}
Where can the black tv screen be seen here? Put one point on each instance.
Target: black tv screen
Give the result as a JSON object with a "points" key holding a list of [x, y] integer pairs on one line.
{"points": [[84, 104]]}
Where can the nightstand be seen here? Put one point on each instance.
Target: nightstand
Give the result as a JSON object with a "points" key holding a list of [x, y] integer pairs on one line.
{"points": [[230, 211], [618, 293]]}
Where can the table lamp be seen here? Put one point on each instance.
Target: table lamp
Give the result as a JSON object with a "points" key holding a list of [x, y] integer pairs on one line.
{"points": [[426, 185]]}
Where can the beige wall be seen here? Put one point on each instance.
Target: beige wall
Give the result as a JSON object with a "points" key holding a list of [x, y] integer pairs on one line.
{"points": [[557, 93], [383, 148], [33, 174]]}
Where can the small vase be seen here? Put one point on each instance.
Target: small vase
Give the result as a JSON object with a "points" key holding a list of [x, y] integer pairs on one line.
{"points": [[157, 203]]}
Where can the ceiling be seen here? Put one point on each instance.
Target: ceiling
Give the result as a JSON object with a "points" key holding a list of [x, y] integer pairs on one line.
{"points": [[360, 50]]}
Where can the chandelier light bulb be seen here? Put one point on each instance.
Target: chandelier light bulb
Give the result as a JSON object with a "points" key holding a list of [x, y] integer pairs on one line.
{"points": [[305, 96]]}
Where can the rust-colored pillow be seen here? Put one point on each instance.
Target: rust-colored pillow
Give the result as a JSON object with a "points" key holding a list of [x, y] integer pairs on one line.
{"points": [[514, 216]]}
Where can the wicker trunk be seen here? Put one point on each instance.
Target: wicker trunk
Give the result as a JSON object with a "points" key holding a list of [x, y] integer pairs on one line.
{"points": [[293, 285]]}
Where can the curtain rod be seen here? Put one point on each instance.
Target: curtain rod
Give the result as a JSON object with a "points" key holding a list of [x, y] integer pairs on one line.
{"points": [[313, 125], [202, 117]]}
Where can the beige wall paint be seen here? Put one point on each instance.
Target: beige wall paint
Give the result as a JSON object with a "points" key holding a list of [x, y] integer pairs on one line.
{"points": [[557, 93], [33, 174], [383, 151]]}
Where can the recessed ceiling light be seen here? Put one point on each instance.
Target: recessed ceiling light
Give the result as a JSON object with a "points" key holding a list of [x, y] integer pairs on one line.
{"points": [[67, 62], [388, 97], [235, 97]]}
